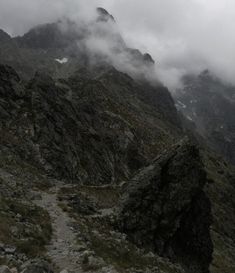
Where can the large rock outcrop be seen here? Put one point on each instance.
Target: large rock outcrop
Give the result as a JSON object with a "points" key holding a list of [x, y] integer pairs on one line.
{"points": [[165, 209]]}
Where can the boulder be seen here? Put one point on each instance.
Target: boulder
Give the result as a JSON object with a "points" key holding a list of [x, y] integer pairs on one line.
{"points": [[10, 250], [165, 209]]}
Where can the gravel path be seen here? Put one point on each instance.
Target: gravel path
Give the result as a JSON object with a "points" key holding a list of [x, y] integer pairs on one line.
{"points": [[62, 248]]}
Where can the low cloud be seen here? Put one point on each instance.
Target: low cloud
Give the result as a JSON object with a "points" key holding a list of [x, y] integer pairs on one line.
{"points": [[183, 36]]}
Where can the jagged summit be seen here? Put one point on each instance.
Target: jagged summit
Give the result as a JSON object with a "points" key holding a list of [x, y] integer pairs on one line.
{"points": [[104, 15], [148, 58], [78, 43]]}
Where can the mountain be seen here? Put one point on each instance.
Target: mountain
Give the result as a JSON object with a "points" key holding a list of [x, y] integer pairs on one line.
{"points": [[99, 172], [210, 104], [68, 125], [77, 43]]}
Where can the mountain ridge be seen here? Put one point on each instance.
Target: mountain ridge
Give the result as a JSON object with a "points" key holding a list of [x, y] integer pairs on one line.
{"points": [[98, 170]]}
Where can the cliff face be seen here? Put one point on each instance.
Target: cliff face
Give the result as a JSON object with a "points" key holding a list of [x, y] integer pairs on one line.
{"points": [[164, 208]]}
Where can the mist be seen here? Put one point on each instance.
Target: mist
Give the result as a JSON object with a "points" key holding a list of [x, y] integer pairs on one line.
{"points": [[183, 36]]}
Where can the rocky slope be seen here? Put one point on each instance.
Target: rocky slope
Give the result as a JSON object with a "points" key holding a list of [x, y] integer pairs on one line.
{"points": [[94, 175], [210, 104], [82, 129]]}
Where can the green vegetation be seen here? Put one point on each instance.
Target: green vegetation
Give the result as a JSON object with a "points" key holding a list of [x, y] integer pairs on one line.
{"points": [[25, 226], [103, 239]]}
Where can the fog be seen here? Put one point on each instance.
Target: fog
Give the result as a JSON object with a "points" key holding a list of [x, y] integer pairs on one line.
{"points": [[183, 36]]}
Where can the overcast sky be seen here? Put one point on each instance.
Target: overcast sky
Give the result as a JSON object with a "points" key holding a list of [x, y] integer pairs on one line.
{"points": [[181, 35]]}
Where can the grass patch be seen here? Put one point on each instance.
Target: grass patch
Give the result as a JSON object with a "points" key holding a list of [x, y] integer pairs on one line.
{"points": [[101, 236], [25, 226], [106, 196], [103, 196], [114, 250]]}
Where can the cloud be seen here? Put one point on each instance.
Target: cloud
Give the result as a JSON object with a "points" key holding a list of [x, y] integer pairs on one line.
{"points": [[17, 17], [183, 36]]}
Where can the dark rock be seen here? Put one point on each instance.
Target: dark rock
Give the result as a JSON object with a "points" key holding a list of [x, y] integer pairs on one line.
{"points": [[85, 137], [164, 208], [148, 58], [36, 266], [104, 15]]}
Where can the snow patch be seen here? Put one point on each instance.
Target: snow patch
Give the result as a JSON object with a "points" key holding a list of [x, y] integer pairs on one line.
{"points": [[180, 104], [62, 61]]}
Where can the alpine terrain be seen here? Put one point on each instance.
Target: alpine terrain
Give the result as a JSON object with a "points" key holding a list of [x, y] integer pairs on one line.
{"points": [[101, 169]]}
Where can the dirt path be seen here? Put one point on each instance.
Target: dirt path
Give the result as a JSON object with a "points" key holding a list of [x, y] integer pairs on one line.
{"points": [[62, 248]]}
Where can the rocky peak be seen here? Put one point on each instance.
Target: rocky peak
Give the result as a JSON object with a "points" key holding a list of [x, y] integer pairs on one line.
{"points": [[77, 42], [148, 58], [103, 15]]}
